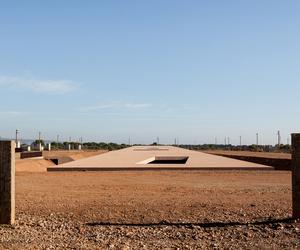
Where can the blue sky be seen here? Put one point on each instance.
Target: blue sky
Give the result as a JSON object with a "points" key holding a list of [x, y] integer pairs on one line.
{"points": [[107, 70]]}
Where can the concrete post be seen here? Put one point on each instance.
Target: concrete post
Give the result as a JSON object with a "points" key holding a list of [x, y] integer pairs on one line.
{"points": [[7, 182], [296, 175]]}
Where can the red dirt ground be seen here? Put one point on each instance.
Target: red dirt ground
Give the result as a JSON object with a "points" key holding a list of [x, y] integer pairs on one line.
{"points": [[152, 210], [154, 196]]}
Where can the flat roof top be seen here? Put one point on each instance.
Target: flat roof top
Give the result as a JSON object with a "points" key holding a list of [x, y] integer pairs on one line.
{"points": [[140, 158]]}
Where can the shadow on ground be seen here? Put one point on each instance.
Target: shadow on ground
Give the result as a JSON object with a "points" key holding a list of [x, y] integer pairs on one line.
{"points": [[204, 224]]}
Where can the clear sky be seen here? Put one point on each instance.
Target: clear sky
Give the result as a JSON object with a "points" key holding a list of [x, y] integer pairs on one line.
{"points": [[107, 70]]}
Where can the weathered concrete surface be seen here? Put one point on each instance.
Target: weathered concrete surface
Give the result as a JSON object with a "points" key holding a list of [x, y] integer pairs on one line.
{"points": [[138, 157], [296, 174], [7, 182]]}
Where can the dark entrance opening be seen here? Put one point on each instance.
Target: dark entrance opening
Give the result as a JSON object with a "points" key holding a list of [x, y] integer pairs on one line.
{"points": [[169, 160]]}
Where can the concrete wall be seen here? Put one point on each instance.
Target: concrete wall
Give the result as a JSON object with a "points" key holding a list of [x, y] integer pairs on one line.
{"points": [[296, 174], [278, 164], [7, 182]]}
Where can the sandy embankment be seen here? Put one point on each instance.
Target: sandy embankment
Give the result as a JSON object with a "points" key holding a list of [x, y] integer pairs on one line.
{"points": [[40, 165]]}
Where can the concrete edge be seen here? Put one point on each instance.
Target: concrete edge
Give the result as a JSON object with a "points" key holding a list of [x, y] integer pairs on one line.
{"points": [[95, 169]]}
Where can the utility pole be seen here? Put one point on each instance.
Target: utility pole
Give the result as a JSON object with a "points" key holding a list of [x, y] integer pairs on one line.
{"points": [[17, 138], [18, 145], [17, 132], [240, 140], [216, 141], [278, 138], [225, 141], [57, 140], [175, 141], [40, 143], [257, 139]]}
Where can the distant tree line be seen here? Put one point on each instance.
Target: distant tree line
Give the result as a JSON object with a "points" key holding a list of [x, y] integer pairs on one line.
{"points": [[115, 146], [256, 148], [89, 145], [105, 146]]}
